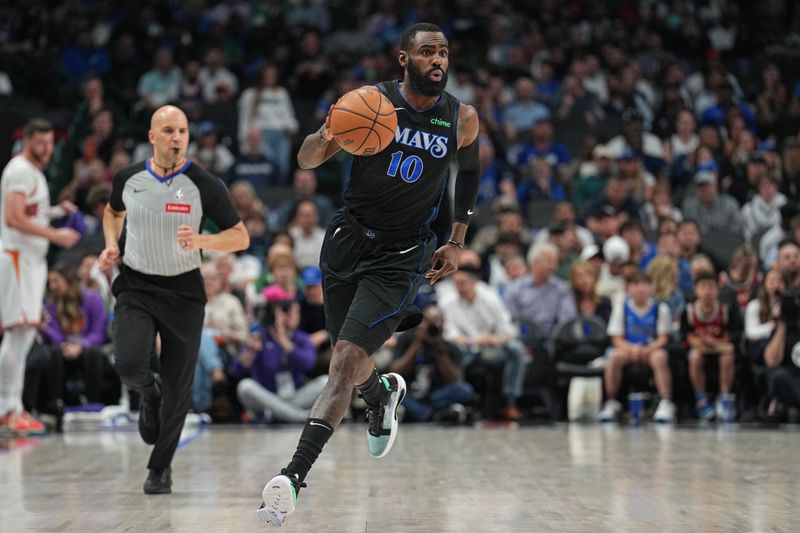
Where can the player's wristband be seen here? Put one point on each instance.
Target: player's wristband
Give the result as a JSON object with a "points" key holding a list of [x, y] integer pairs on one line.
{"points": [[456, 243]]}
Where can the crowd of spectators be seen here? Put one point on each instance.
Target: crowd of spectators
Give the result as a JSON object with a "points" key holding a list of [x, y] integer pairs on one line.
{"points": [[640, 170]]}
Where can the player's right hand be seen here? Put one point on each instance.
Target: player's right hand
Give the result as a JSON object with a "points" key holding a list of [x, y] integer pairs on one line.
{"points": [[66, 237], [108, 258]]}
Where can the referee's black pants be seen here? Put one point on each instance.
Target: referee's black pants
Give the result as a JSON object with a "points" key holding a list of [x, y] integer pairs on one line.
{"points": [[139, 315]]}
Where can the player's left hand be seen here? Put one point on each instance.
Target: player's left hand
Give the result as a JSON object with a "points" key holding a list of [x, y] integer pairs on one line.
{"points": [[444, 262], [187, 238]]}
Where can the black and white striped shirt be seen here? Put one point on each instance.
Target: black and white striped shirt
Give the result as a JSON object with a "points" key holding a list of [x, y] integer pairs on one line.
{"points": [[155, 206]]}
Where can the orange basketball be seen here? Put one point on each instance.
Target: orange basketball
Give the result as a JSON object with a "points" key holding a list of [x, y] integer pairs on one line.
{"points": [[363, 121]]}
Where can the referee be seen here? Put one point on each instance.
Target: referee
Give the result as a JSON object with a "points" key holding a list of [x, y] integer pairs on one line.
{"points": [[153, 221]]}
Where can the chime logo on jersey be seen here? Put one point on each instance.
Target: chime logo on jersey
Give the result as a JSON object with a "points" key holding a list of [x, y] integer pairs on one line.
{"points": [[435, 144]]}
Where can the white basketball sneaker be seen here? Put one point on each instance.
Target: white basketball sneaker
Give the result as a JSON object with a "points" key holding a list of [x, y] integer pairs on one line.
{"points": [[383, 423], [279, 498]]}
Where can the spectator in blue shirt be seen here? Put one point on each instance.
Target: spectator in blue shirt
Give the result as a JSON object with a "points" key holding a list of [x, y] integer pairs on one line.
{"points": [[541, 184], [543, 144], [525, 111]]}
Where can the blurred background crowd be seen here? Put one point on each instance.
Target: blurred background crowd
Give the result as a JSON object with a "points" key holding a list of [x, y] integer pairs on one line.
{"points": [[638, 218]]}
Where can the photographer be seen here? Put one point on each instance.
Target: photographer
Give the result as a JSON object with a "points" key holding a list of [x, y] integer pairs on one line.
{"points": [[782, 354], [275, 359], [430, 366]]}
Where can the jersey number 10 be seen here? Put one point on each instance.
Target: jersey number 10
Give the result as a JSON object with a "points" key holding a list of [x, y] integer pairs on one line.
{"points": [[410, 168]]}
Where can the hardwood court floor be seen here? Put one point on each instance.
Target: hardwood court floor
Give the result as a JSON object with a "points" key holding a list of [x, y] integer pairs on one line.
{"points": [[562, 478]]}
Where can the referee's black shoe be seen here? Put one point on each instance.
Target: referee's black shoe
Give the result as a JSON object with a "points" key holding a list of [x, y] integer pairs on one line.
{"points": [[149, 422], [159, 481]]}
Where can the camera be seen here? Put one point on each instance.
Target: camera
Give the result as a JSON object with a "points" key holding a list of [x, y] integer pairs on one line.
{"points": [[268, 312], [433, 330], [790, 306]]}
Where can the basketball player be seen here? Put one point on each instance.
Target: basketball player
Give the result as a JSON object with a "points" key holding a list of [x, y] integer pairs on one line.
{"points": [[162, 202], [26, 235], [378, 248]]}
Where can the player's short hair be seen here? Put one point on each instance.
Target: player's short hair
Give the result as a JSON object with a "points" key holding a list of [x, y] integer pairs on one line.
{"points": [[36, 125], [412, 31]]}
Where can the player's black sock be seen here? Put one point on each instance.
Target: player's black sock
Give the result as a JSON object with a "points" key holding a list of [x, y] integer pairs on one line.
{"points": [[373, 390], [315, 434]]}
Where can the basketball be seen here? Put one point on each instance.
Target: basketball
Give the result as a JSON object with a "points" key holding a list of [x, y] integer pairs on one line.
{"points": [[363, 121]]}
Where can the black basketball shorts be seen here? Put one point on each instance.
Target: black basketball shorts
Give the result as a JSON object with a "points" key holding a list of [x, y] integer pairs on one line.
{"points": [[370, 279]]}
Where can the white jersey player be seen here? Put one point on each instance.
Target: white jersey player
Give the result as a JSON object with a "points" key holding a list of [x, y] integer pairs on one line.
{"points": [[25, 233]]}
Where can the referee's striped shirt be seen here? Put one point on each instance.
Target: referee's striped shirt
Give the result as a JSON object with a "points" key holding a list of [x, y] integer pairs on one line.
{"points": [[155, 206]]}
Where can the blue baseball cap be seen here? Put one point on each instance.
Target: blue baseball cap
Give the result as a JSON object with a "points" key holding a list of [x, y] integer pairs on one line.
{"points": [[627, 155], [311, 276]]}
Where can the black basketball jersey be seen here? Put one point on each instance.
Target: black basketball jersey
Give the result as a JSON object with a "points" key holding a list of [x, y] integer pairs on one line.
{"points": [[401, 187]]}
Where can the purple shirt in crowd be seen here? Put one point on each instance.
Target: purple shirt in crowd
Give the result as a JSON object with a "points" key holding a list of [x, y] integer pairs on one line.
{"points": [[94, 316], [272, 359]]}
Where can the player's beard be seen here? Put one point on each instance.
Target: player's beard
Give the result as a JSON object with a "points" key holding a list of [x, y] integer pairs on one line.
{"points": [[422, 83]]}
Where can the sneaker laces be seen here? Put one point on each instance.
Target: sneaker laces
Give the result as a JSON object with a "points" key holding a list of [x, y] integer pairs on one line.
{"points": [[375, 420], [295, 481]]}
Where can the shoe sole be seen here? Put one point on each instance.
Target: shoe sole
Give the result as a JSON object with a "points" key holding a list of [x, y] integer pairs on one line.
{"points": [[167, 490], [393, 405], [278, 501]]}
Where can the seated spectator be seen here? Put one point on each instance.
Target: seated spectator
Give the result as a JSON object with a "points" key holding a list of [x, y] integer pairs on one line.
{"points": [[639, 329], [761, 314], [635, 137], [509, 222], [312, 313], [160, 85], [245, 199], [739, 284], [525, 111], [431, 367], [208, 152], [763, 211], [688, 243], [583, 280], [663, 272], [788, 262], [539, 183], [640, 181], [685, 140], [564, 213], [92, 278], [660, 206], [256, 224], [217, 82], [592, 179], [783, 377], [283, 268], [611, 282], [708, 327], [74, 333], [267, 107], [565, 240], [543, 146], [305, 188], [789, 228], [541, 297], [712, 211], [476, 320], [307, 234], [617, 206], [507, 246], [700, 263], [224, 331], [274, 363], [252, 166], [515, 268], [641, 250]]}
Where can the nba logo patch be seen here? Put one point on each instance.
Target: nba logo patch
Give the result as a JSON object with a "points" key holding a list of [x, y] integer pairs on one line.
{"points": [[179, 193]]}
